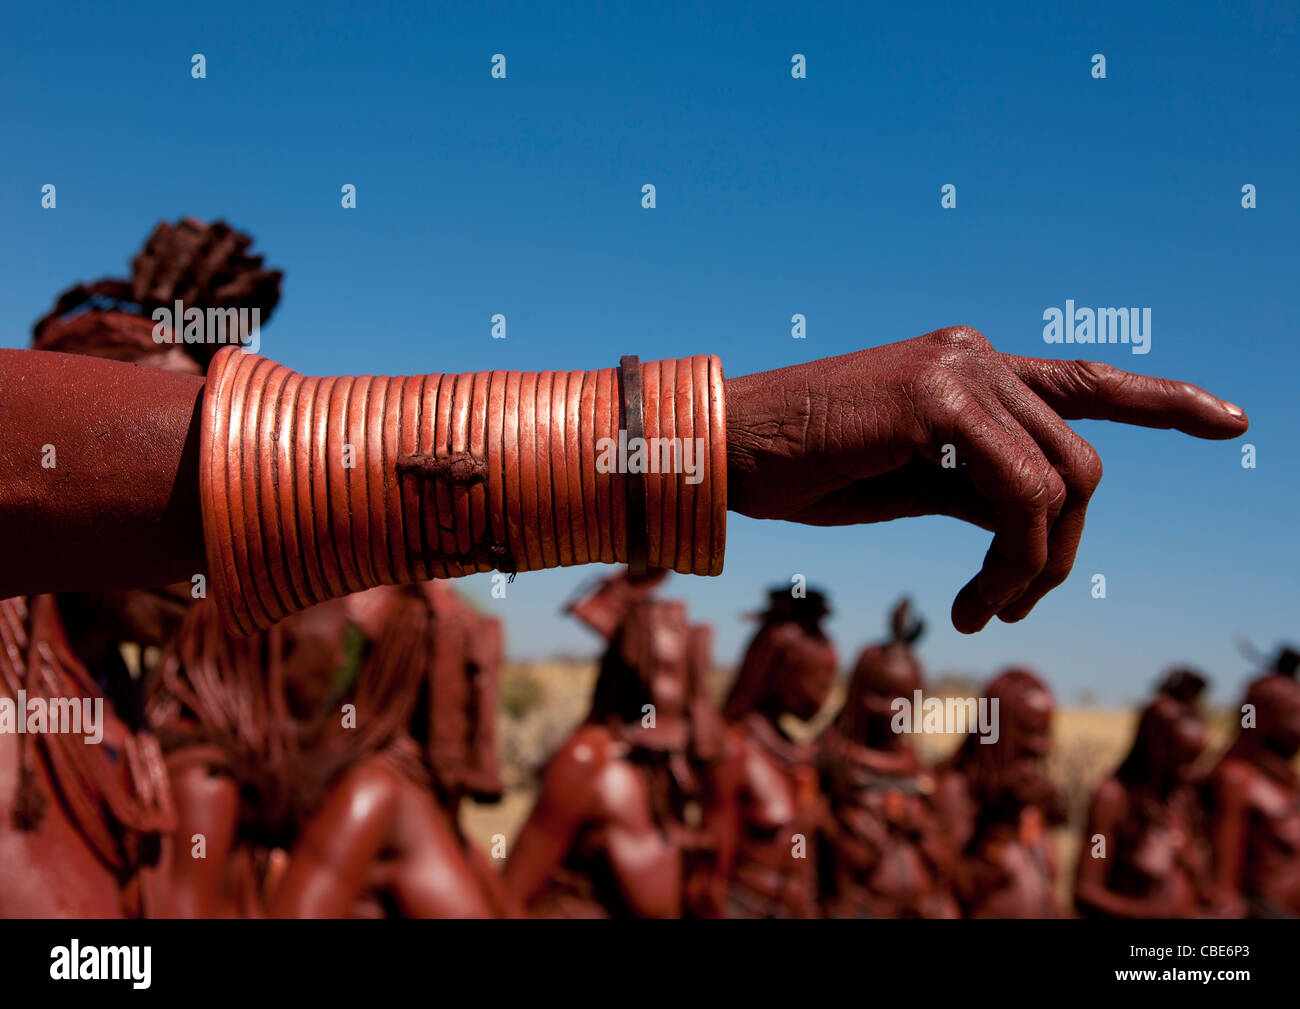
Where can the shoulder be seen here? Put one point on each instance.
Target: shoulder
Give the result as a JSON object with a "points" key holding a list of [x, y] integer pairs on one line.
{"points": [[1233, 776], [1109, 801], [371, 789], [583, 758], [591, 746], [1111, 794]]}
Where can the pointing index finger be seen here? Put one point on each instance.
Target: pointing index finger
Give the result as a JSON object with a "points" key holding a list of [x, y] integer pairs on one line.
{"points": [[1097, 391]]}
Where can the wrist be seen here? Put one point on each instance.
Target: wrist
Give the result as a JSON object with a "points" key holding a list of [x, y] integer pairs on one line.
{"points": [[757, 417]]}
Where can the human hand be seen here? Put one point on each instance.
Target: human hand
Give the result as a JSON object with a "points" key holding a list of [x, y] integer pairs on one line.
{"points": [[945, 425]]}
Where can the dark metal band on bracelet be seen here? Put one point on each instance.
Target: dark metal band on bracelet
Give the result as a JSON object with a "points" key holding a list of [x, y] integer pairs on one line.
{"points": [[638, 531]]}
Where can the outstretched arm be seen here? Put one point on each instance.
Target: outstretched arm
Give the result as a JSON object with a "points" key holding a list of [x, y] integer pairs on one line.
{"points": [[858, 438]]}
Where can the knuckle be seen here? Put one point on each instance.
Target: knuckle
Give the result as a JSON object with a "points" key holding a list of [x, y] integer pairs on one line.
{"points": [[965, 339], [943, 390], [1042, 490], [1056, 491], [1098, 375], [1045, 492], [1089, 469], [961, 350]]}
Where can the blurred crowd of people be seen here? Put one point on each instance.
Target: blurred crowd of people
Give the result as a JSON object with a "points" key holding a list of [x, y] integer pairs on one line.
{"points": [[319, 770], [663, 804]]}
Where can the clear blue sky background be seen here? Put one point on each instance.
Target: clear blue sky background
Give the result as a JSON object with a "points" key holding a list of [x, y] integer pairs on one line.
{"points": [[775, 196]]}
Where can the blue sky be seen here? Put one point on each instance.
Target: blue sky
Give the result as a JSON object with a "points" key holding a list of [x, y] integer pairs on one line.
{"points": [[775, 196]]}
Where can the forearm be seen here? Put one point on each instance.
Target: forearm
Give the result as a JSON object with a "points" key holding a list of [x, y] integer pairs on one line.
{"points": [[1094, 897], [313, 488], [539, 850], [302, 489], [100, 481], [101, 464]]}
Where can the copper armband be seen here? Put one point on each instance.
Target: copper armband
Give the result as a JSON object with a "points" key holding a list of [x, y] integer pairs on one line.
{"points": [[317, 487]]}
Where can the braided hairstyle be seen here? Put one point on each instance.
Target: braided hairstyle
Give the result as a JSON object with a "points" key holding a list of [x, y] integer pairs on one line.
{"points": [[204, 266], [882, 668]]}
